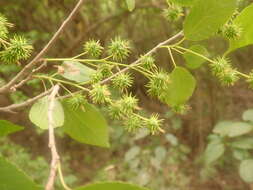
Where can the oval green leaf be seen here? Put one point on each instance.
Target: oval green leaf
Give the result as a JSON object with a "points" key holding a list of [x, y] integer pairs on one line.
{"points": [[232, 129], [11, 178], [111, 186], [213, 152], [76, 71], [181, 87], [246, 170], [248, 114], [243, 143], [241, 154], [39, 113], [206, 17], [244, 20], [86, 125], [194, 61], [7, 128], [130, 4]]}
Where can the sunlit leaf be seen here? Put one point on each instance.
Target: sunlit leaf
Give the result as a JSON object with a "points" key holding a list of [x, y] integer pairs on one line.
{"points": [[244, 20], [206, 17], [39, 113], [181, 87], [130, 4]]}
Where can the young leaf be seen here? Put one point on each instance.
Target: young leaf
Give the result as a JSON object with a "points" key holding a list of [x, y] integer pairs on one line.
{"points": [[214, 151], [206, 17], [130, 4], [7, 128], [11, 178], [232, 129], [248, 115], [181, 87], [244, 20], [246, 170], [194, 61], [76, 71], [39, 113], [86, 125], [111, 186]]}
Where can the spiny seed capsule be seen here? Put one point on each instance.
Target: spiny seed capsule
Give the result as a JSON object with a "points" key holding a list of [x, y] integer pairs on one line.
{"points": [[122, 81], [133, 123], [173, 13], [93, 48], [18, 49], [148, 62], [231, 31], [158, 83], [100, 94], [154, 124], [119, 49]]}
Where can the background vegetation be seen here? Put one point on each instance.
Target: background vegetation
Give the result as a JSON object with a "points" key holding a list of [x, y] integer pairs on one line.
{"points": [[173, 160]]}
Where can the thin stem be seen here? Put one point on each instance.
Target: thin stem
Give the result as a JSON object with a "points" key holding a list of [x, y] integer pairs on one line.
{"points": [[242, 74], [84, 53], [62, 81], [52, 145], [195, 53], [148, 53], [178, 43], [172, 58], [65, 186]]}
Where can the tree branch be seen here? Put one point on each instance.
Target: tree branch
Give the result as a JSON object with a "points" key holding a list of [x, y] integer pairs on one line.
{"points": [[55, 156], [27, 68], [147, 54], [28, 102]]}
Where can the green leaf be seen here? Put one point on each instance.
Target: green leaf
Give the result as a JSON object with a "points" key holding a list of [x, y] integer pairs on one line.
{"points": [[111, 186], [183, 2], [130, 4], [11, 178], [248, 115], [7, 128], [206, 17], [76, 71], [246, 170], [232, 129], [181, 87], [213, 152], [241, 154], [243, 143], [86, 125], [243, 20], [194, 61], [39, 113]]}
